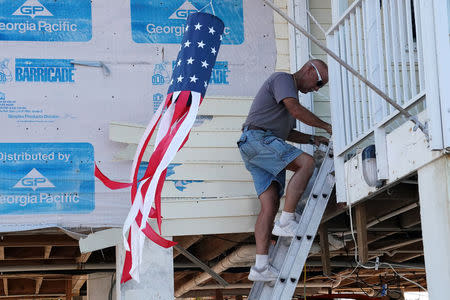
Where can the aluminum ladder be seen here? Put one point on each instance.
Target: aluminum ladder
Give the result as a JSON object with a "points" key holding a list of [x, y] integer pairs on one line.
{"points": [[289, 254]]}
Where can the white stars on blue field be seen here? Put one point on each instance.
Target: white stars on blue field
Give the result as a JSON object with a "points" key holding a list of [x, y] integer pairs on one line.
{"points": [[193, 66]]}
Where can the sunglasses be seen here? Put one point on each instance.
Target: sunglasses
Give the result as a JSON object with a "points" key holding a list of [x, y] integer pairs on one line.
{"points": [[319, 82]]}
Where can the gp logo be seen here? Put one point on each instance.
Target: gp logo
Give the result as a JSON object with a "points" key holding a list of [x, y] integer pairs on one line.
{"points": [[30, 182], [183, 12], [34, 180], [32, 8]]}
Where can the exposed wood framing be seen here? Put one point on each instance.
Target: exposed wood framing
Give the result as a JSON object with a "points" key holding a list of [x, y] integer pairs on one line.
{"points": [[410, 218], [48, 250], [325, 249], [399, 245], [219, 295], [2, 253], [361, 227], [406, 257], [37, 241], [38, 284], [84, 257], [78, 282], [213, 246], [185, 242], [5, 286], [69, 289]]}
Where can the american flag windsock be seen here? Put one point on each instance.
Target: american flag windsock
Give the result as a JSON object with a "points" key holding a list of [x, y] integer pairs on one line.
{"points": [[190, 78]]}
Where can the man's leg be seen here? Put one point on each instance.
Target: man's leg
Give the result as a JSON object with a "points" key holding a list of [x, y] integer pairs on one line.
{"points": [[270, 203], [303, 168]]}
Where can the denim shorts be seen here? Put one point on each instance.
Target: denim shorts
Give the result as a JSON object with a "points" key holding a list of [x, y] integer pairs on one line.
{"points": [[266, 157]]}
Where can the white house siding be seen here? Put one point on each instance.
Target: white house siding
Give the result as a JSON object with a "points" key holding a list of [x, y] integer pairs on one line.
{"points": [[282, 38], [321, 11]]}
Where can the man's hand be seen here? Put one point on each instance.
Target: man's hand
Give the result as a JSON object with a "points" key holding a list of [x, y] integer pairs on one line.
{"points": [[320, 140], [329, 129]]}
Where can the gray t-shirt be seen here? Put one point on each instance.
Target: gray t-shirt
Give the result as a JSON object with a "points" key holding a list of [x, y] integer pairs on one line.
{"points": [[267, 110]]}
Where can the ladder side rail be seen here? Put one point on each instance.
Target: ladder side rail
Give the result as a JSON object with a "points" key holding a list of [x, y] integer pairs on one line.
{"points": [[281, 251], [314, 211], [300, 260]]}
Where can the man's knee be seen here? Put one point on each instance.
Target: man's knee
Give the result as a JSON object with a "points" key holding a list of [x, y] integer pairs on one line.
{"points": [[309, 163], [269, 199], [304, 161]]}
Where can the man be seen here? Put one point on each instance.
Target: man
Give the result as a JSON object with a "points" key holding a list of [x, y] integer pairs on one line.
{"points": [[266, 154]]}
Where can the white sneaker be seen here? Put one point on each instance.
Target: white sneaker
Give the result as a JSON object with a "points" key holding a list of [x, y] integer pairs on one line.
{"points": [[287, 230], [267, 274]]}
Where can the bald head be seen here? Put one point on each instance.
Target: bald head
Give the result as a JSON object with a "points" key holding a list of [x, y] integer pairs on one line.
{"points": [[312, 76]]}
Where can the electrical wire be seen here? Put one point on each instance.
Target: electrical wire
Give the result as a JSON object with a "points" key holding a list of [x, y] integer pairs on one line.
{"points": [[359, 264]]}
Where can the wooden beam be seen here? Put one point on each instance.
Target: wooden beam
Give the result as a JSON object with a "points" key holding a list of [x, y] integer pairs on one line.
{"points": [[35, 275], [361, 229], [38, 284], [2, 253], [78, 282], [5, 286], [47, 251], [83, 257], [211, 293], [410, 218], [215, 245], [219, 295], [68, 289], [37, 241], [400, 245], [333, 209], [232, 278], [36, 258], [33, 297], [325, 249], [405, 257], [35, 262], [185, 242], [371, 238]]}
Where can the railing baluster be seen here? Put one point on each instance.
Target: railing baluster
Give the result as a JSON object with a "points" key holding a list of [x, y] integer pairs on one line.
{"points": [[344, 74], [381, 64], [336, 90], [402, 38], [357, 93], [419, 44], [395, 50], [412, 63], [388, 50], [366, 54], [363, 87], [351, 93]]}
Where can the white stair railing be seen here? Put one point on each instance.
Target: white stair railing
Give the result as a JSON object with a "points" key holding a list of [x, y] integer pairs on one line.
{"points": [[382, 41], [375, 56]]}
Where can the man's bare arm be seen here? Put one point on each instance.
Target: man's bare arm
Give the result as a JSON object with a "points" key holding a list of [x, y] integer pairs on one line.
{"points": [[299, 137], [303, 138], [304, 115]]}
